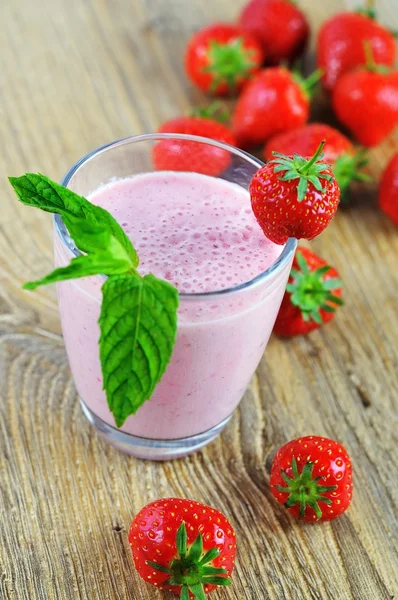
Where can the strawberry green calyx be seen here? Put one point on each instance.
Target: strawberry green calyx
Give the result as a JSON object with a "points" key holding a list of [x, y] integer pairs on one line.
{"points": [[308, 84], [306, 171], [348, 168], [310, 292], [192, 569], [368, 10], [304, 489], [229, 62], [216, 111]]}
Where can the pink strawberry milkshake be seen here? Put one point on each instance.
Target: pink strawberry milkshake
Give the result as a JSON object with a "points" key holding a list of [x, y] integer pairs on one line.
{"points": [[199, 233]]}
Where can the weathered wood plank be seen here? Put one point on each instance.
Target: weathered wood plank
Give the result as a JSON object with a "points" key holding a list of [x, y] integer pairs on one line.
{"points": [[76, 75]]}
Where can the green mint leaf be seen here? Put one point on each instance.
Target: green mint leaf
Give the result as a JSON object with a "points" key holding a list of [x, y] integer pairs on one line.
{"points": [[39, 191], [107, 256], [138, 324], [83, 266], [97, 239], [92, 236]]}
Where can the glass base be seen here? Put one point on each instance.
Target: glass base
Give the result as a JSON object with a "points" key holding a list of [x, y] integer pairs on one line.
{"points": [[152, 449]]}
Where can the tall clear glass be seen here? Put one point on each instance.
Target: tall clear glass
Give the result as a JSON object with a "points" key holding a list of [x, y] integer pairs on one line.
{"points": [[221, 335]]}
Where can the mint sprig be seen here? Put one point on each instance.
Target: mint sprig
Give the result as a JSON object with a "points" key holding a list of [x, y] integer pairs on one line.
{"points": [[138, 324], [106, 254], [138, 320], [39, 191]]}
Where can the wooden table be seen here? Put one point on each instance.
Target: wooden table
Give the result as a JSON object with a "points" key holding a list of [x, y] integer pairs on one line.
{"points": [[76, 74]]}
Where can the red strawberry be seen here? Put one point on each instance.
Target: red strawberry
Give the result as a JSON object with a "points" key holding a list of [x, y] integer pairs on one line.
{"points": [[183, 546], [312, 295], [366, 101], [339, 151], [288, 199], [275, 100], [340, 45], [221, 57], [279, 25], [185, 155], [312, 477], [388, 192]]}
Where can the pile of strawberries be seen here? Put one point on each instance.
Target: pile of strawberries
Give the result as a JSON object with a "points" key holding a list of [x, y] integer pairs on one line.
{"points": [[355, 65]]}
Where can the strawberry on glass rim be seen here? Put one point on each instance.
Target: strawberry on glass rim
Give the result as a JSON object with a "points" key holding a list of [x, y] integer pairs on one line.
{"points": [[293, 196], [312, 477], [346, 160], [183, 546]]}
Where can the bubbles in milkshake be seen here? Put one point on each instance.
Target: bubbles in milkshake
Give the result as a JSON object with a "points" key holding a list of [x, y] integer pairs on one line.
{"points": [[196, 231]]}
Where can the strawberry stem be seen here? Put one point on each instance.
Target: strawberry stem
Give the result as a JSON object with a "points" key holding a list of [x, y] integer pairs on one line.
{"points": [[216, 111], [306, 171], [369, 10], [370, 62], [304, 489], [192, 569], [348, 168], [313, 160], [229, 62], [309, 84]]}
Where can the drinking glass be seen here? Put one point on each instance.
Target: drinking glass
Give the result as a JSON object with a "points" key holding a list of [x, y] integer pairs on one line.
{"points": [[221, 334]]}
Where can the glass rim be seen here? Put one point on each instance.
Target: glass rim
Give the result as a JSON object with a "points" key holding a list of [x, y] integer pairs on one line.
{"points": [[276, 266]]}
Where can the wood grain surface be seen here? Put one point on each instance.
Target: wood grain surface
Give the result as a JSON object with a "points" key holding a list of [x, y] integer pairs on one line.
{"points": [[76, 74]]}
